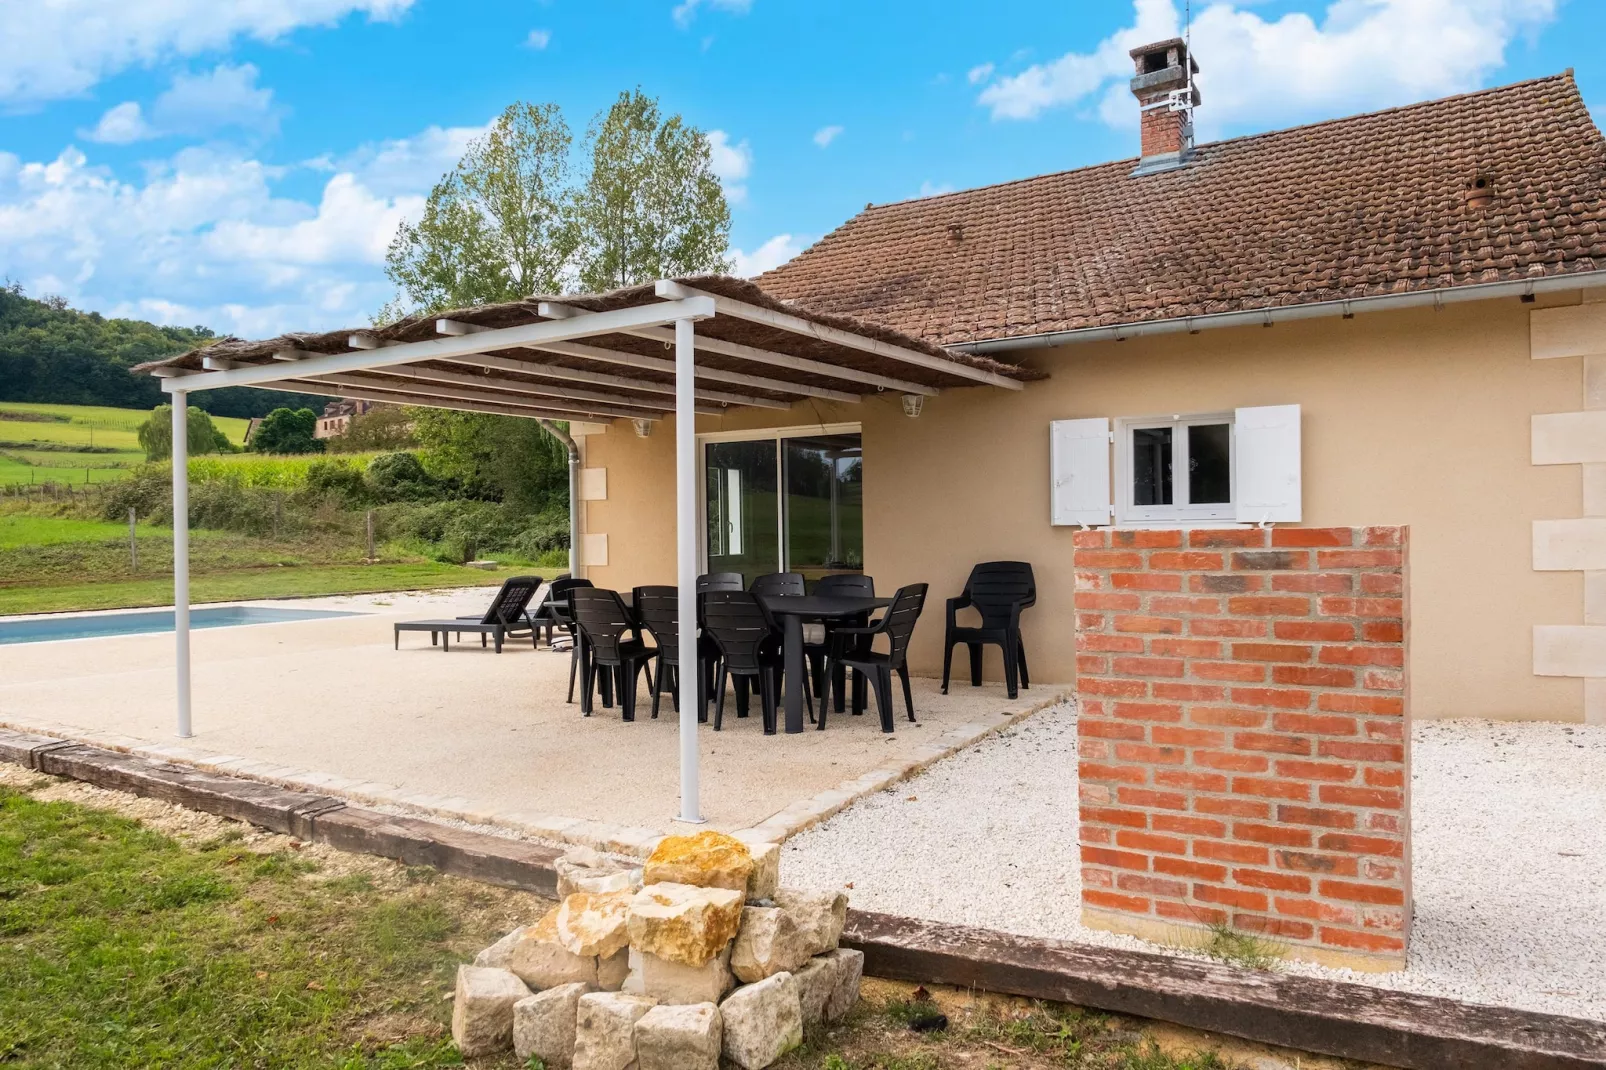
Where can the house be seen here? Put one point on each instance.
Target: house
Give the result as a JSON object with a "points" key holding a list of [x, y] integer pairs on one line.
{"points": [[1389, 319], [337, 414], [1329, 325]]}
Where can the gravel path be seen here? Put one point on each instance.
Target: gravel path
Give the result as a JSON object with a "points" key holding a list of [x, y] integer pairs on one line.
{"points": [[1509, 824]]}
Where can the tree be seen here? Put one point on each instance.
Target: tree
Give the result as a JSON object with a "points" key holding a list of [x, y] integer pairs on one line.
{"points": [[287, 431], [201, 435], [498, 227], [381, 430], [501, 458], [651, 207]]}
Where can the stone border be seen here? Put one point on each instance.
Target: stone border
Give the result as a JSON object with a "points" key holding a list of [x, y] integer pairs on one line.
{"points": [[627, 840], [1352, 1021]]}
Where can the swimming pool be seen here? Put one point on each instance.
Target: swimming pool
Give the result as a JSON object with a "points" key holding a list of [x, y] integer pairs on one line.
{"points": [[159, 620]]}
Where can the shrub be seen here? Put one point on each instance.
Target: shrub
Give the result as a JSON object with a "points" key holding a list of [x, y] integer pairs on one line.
{"points": [[401, 477], [287, 431], [201, 434], [330, 477]]}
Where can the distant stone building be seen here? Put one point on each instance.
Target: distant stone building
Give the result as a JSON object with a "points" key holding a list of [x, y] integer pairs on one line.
{"points": [[337, 416]]}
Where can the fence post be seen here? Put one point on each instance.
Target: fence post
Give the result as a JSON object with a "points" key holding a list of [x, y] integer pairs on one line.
{"points": [[133, 544], [278, 513], [370, 526]]}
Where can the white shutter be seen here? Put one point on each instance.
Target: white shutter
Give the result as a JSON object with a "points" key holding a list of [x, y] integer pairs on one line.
{"points": [[1266, 441], [1079, 466]]}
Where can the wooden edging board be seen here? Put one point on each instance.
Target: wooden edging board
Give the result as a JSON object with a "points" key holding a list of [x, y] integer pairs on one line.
{"points": [[1348, 1020]]}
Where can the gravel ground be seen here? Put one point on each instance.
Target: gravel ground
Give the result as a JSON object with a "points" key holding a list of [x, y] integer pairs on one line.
{"points": [[1509, 841]]}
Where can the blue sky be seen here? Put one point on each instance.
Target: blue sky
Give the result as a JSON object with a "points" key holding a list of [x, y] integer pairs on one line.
{"points": [[244, 164]]}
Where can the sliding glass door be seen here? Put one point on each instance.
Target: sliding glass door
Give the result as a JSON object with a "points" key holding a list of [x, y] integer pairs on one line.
{"points": [[788, 501]]}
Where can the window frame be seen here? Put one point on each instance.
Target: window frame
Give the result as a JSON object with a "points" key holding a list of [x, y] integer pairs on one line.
{"points": [[764, 434], [1181, 511]]}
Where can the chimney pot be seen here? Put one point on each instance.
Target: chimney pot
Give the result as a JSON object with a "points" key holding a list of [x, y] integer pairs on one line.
{"points": [[1166, 96]]}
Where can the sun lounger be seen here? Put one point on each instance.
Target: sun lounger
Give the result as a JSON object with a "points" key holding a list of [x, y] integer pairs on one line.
{"points": [[505, 617]]}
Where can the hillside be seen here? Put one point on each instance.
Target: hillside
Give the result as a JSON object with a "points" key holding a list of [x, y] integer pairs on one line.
{"points": [[54, 354]]}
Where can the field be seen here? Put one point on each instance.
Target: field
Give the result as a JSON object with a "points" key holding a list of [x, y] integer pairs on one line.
{"points": [[75, 444]]}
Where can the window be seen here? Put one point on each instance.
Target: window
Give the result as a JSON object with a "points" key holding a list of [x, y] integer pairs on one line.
{"points": [[788, 500], [1175, 469]]}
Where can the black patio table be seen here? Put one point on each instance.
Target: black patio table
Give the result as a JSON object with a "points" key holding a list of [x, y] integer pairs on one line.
{"points": [[793, 610]]}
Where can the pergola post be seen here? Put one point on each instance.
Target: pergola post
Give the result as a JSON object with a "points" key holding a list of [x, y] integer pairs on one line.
{"points": [[181, 555], [691, 677]]}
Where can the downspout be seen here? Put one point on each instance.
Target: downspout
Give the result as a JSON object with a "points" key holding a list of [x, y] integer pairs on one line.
{"points": [[574, 492]]}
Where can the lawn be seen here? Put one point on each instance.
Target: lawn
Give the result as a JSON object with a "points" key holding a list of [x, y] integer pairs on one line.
{"points": [[28, 529], [43, 443], [185, 941], [304, 581]]}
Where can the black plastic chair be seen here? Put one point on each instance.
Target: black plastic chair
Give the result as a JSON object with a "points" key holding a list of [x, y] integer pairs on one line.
{"points": [[720, 581], [558, 613], [506, 616], [776, 583], [998, 590], [898, 624], [658, 609], [749, 648], [819, 650], [604, 620]]}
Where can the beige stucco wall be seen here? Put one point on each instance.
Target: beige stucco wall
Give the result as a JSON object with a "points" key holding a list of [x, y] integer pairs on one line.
{"points": [[1415, 417]]}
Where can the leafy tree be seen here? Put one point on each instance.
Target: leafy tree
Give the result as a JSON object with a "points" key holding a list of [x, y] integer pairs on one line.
{"points": [[651, 207], [201, 434], [55, 354], [500, 458], [498, 227], [382, 429], [287, 431]]}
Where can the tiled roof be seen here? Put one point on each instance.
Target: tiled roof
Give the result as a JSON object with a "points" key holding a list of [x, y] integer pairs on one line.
{"points": [[1368, 205]]}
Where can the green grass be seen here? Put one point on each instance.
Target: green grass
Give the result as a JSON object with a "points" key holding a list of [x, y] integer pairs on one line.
{"points": [[29, 529], [38, 442], [299, 582], [122, 948], [99, 418], [267, 470]]}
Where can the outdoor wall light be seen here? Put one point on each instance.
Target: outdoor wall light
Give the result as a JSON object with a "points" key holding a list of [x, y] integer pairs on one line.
{"points": [[912, 404], [643, 427]]}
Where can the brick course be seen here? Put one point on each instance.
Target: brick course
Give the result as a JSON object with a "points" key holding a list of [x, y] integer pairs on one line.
{"points": [[1243, 735]]}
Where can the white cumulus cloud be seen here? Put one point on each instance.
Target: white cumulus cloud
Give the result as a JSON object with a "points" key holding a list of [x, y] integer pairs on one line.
{"points": [[826, 134], [1360, 54], [772, 254], [730, 163], [194, 104], [979, 73], [61, 48]]}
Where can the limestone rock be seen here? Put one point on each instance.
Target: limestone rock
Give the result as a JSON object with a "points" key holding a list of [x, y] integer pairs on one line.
{"points": [[543, 962], [674, 982], [679, 1038], [683, 923], [543, 1025], [598, 880], [762, 1022], [499, 953], [633, 982], [605, 1030], [612, 971], [482, 1011], [594, 925], [706, 860], [768, 943], [819, 917], [850, 971], [765, 879], [815, 983]]}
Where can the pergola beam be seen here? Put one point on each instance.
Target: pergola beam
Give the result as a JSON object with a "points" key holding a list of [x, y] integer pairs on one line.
{"points": [[422, 374], [425, 390], [525, 335], [297, 386], [725, 306], [556, 310], [659, 364]]}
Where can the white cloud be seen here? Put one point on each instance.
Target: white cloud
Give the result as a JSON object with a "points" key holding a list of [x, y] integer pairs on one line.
{"points": [[539, 39], [203, 238], [772, 254], [194, 104], [404, 165], [686, 11], [979, 73], [730, 164], [826, 134], [120, 125], [1362, 54], [63, 48]]}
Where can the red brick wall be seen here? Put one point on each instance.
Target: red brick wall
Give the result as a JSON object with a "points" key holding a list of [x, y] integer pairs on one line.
{"points": [[1243, 734]]}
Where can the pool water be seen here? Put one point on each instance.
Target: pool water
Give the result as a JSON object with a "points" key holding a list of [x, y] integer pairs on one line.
{"points": [[157, 620]]}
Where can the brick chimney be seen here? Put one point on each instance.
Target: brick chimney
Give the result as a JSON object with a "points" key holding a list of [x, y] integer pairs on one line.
{"points": [[1165, 102]]}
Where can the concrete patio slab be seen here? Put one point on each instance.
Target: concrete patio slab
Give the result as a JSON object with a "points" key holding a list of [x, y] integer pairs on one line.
{"points": [[470, 735]]}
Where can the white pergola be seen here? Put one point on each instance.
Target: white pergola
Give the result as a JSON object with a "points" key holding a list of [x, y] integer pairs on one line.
{"points": [[584, 358]]}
